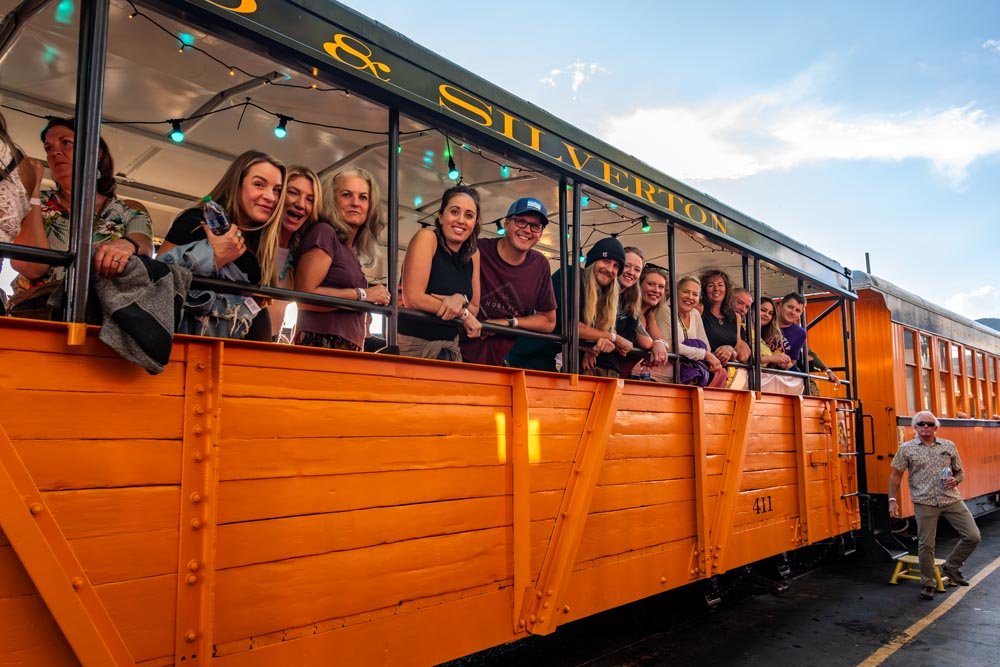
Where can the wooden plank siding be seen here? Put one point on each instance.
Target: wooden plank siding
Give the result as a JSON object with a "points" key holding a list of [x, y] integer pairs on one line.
{"points": [[360, 498]]}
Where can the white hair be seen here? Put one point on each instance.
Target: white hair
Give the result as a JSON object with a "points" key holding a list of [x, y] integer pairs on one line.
{"points": [[922, 415]]}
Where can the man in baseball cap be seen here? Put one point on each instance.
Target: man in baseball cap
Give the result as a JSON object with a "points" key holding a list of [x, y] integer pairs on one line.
{"points": [[515, 286]]}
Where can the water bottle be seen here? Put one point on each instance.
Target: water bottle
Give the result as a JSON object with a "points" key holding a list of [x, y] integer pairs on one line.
{"points": [[215, 217], [645, 373], [946, 474]]}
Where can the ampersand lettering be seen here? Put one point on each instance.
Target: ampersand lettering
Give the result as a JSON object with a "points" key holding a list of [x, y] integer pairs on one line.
{"points": [[358, 54]]}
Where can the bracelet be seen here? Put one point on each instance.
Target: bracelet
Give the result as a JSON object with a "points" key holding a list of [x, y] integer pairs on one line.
{"points": [[892, 500], [34, 201], [614, 336], [465, 313], [135, 244], [362, 294]]}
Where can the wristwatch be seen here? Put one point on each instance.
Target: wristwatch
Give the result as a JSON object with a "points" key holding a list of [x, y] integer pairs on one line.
{"points": [[512, 321]]}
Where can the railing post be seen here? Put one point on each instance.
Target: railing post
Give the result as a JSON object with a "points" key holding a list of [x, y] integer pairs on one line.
{"points": [[89, 101], [392, 260]]}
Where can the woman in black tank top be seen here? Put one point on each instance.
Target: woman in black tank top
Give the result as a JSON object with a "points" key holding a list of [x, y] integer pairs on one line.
{"points": [[722, 324], [441, 278]]}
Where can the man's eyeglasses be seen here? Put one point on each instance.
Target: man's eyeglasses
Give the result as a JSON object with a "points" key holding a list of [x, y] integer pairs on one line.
{"points": [[521, 223], [927, 424]]}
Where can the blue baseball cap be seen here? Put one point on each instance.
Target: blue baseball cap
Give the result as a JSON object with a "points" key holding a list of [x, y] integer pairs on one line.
{"points": [[529, 205]]}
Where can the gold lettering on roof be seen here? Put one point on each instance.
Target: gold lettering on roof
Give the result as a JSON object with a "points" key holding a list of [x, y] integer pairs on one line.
{"points": [[359, 55], [244, 6]]}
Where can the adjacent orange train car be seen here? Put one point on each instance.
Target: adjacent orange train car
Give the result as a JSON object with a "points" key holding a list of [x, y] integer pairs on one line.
{"points": [[913, 355], [262, 505]]}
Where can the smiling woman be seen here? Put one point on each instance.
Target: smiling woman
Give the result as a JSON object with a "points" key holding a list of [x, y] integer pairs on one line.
{"points": [[441, 278], [250, 193]]}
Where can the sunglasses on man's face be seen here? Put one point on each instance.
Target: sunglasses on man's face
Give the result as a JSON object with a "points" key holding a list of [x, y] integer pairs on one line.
{"points": [[927, 424]]}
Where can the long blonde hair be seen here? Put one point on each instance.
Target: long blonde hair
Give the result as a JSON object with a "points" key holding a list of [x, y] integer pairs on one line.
{"points": [[600, 310], [366, 241], [300, 171], [226, 193], [631, 298]]}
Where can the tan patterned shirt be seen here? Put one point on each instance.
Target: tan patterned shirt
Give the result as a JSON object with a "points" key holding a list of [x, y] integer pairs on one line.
{"points": [[925, 463]]}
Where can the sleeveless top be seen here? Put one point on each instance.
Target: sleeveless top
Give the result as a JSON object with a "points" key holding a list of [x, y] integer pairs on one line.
{"points": [[719, 333], [13, 198], [449, 275]]}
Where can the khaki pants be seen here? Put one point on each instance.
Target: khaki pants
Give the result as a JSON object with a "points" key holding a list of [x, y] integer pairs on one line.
{"points": [[960, 518]]}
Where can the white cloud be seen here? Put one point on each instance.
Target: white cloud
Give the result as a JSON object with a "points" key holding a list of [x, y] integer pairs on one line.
{"points": [[785, 128], [578, 73], [992, 45], [981, 302]]}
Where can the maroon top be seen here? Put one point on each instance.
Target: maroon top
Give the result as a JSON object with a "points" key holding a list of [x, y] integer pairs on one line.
{"points": [[345, 271], [507, 291]]}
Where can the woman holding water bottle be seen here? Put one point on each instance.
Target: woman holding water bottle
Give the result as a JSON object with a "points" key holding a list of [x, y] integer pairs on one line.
{"points": [[252, 200]]}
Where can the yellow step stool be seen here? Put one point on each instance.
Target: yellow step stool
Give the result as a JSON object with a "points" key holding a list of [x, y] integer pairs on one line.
{"points": [[908, 567]]}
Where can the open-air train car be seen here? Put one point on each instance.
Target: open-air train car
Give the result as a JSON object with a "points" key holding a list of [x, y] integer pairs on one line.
{"points": [[262, 504]]}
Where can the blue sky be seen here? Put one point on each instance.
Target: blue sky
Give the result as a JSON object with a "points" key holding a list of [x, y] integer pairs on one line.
{"points": [[850, 126]]}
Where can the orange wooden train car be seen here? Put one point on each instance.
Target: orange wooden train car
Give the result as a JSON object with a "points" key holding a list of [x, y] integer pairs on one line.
{"points": [[262, 505], [913, 355]]}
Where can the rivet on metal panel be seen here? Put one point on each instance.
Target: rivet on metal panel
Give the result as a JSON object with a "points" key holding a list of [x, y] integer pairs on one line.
{"points": [[199, 389], [190, 636], [192, 579], [197, 457], [566, 609], [663, 580], [198, 430], [195, 498], [35, 508], [200, 366], [194, 565], [195, 524], [77, 583], [565, 514], [545, 605], [549, 593], [541, 619], [694, 571], [579, 471], [520, 624], [198, 410], [532, 618]]}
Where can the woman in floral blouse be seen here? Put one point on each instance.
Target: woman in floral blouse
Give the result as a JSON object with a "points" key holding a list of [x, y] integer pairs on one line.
{"points": [[121, 228]]}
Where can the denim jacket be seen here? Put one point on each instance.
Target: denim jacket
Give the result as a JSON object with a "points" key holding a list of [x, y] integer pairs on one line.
{"points": [[208, 313]]}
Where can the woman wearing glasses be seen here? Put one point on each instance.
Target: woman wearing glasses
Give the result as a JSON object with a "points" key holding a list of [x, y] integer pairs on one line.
{"points": [[516, 288]]}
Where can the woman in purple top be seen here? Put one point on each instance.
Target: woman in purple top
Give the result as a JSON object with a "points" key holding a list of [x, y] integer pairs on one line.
{"points": [[328, 265]]}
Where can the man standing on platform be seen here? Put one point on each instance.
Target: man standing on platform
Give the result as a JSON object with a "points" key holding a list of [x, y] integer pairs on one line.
{"points": [[516, 286], [935, 472]]}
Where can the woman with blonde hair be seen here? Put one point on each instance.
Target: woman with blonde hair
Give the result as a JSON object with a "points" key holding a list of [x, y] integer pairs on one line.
{"points": [[252, 196], [698, 365], [328, 263], [303, 206]]}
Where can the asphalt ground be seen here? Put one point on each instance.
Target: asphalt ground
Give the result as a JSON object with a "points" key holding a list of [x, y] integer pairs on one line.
{"points": [[842, 612]]}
